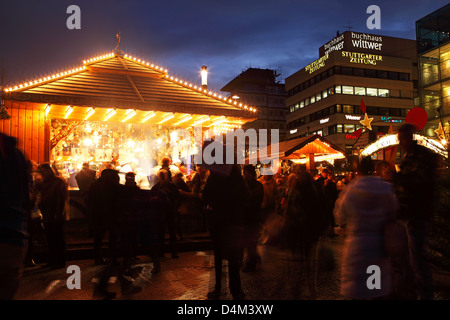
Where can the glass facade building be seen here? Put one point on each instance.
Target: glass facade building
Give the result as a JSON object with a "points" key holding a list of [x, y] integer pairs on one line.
{"points": [[433, 48]]}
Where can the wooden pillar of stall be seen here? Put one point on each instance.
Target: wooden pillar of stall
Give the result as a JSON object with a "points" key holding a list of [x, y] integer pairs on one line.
{"points": [[29, 126], [310, 163]]}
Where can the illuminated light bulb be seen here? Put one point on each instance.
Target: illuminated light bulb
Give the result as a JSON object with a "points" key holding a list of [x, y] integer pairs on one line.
{"points": [[165, 70], [125, 55], [148, 116], [90, 112], [15, 88], [152, 65]]}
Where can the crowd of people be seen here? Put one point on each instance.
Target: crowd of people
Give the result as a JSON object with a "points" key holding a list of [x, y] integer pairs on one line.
{"points": [[240, 210]]}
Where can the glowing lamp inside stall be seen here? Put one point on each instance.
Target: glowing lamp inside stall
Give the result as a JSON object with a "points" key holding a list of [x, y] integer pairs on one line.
{"points": [[130, 114], [47, 110], [110, 113], [69, 110], [148, 116], [184, 119], [201, 120], [90, 112], [167, 117]]}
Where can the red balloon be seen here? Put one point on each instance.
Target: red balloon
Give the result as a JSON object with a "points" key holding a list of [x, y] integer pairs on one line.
{"points": [[418, 117]]}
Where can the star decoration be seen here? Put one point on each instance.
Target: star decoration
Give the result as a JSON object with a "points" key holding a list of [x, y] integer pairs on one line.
{"points": [[366, 122], [320, 168], [440, 132]]}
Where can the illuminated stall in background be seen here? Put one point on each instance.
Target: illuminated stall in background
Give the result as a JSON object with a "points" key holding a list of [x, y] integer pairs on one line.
{"points": [[116, 111]]}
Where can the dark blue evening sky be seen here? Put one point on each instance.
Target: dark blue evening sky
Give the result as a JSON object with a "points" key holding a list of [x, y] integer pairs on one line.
{"points": [[227, 36]]}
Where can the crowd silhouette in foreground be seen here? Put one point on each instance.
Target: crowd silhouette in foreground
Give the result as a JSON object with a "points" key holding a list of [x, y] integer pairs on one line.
{"points": [[384, 214]]}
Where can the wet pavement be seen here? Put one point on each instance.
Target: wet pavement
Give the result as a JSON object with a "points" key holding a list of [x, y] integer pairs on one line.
{"points": [[279, 276]]}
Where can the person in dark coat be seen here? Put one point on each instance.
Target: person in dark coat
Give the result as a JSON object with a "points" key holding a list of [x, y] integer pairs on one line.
{"points": [[252, 217], [415, 186], [15, 209], [85, 178], [53, 195], [225, 196], [166, 186], [104, 202]]}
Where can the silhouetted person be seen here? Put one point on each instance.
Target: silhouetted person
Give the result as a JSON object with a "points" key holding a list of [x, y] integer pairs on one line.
{"points": [[197, 184], [15, 209], [85, 178], [224, 196], [104, 202], [330, 193], [35, 220], [129, 218], [416, 187], [252, 217], [305, 215], [152, 204], [366, 205], [269, 209], [166, 186], [185, 203], [53, 195]]}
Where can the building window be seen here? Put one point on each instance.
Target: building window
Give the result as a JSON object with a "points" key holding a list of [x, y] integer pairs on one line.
{"points": [[338, 89], [383, 93], [347, 108], [382, 74], [372, 92], [347, 71], [393, 75], [347, 90], [360, 91]]}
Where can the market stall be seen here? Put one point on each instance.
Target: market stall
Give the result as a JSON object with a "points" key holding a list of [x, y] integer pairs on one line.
{"points": [[116, 111]]}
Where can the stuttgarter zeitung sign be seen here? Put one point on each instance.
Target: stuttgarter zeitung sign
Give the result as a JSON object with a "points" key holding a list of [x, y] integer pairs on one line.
{"points": [[316, 65], [364, 58]]}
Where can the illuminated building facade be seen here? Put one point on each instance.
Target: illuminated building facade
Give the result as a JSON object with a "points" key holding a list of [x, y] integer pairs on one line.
{"points": [[325, 96], [433, 48]]}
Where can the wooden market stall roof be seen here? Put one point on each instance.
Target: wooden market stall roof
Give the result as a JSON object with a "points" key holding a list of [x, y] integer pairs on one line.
{"points": [[125, 83], [298, 149]]}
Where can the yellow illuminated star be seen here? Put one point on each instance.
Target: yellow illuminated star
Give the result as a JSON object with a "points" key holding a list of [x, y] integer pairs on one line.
{"points": [[366, 122], [440, 132]]}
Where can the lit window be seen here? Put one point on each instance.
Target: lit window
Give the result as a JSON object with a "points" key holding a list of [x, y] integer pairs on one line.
{"points": [[313, 99], [360, 91], [324, 94], [347, 89], [372, 92], [338, 89], [383, 92]]}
